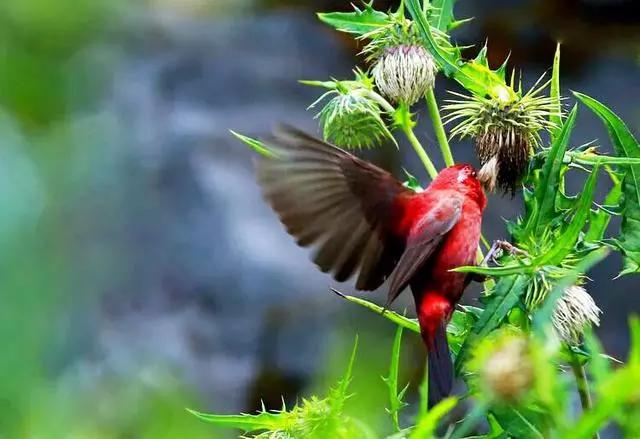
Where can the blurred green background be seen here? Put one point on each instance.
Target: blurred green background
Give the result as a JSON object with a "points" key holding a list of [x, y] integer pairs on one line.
{"points": [[140, 273]]}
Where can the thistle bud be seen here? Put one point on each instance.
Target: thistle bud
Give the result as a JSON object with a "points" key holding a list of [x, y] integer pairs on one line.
{"points": [[574, 311], [505, 127], [352, 120], [405, 73], [508, 371]]}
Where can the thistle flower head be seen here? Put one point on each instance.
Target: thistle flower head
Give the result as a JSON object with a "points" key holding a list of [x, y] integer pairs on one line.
{"points": [[506, 127], [404, 73], [403, 68], [574, 311], [351, 118], [505, 367]]}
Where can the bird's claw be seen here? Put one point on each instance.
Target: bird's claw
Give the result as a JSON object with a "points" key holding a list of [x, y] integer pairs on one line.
{"points": [[497, 250]]}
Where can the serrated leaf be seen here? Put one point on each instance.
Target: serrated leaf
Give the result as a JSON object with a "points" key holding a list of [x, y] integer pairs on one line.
{"points": [[564, 244], [625, 145], [441, 14], [358, 22], [395, 398], [542, 207], [556, 114]]}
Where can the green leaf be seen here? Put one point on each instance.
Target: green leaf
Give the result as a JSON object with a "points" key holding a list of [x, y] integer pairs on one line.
{"points": [[412, 182], [564, 244], [625, 146], [358, 22], [556, 114], [473, 75], [506, 295], [256, 145], [396, 402], [501, 271], [600, 218], [441, 14], [544, 195], [339, 395], [520, 423], [247, 423], [405, 322], [428, 423]]}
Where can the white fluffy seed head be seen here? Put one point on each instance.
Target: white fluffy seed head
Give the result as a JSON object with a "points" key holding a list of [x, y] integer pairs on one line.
{"points": [[405, 73], [574, 311]]}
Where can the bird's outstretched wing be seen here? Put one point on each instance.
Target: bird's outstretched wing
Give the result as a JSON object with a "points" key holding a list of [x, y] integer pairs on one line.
{"points": [[330, 198], [426, 235]]}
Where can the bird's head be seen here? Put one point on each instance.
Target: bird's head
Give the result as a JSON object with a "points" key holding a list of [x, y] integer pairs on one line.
{"points": [[462, 178]]}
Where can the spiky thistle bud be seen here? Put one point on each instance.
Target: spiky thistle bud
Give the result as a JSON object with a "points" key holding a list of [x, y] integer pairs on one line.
{"points": [[507, 372], [352, 119], [405, 73], [506, 127], [574, 311]]}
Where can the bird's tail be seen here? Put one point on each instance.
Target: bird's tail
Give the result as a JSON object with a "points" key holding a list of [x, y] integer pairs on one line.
{"points": [[440, 367]]}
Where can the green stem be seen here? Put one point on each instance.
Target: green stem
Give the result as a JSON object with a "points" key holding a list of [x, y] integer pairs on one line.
{"points": [[417, 147], [434, 113], [582, 384]]}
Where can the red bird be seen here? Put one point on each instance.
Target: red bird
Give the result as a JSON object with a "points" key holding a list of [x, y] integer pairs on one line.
{"points": [[363, 220]]}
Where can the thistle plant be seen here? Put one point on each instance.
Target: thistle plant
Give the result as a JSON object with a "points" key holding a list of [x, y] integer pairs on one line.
{"points": [[506, 126], [528, 344], [351, 117]]}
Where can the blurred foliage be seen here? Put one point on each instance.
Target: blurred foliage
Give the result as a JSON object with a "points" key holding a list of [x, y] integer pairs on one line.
{"points": [[52, 76]]}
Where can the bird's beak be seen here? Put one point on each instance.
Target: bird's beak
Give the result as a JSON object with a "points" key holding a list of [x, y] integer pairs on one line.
{"points": [[488, 174]]}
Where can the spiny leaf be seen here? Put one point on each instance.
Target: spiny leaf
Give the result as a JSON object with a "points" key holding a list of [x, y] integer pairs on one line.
{"points": [[395, 398], [565, 243], [410, 324], [506, 270], [556, 115], [358, 22], [543, 209], [625, 146], [441, 14], [256, 145], [245, 422]]}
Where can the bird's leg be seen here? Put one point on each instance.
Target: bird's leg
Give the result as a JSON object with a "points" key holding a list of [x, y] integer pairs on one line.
{"points": [[496, 250], [502, 246]]}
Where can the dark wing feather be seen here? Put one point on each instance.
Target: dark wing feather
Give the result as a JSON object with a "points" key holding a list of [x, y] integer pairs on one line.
{"points": [[443, 215], [330, 198]]}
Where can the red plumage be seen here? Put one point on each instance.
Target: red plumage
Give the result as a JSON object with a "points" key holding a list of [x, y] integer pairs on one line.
{"points": [[363, 220]]}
